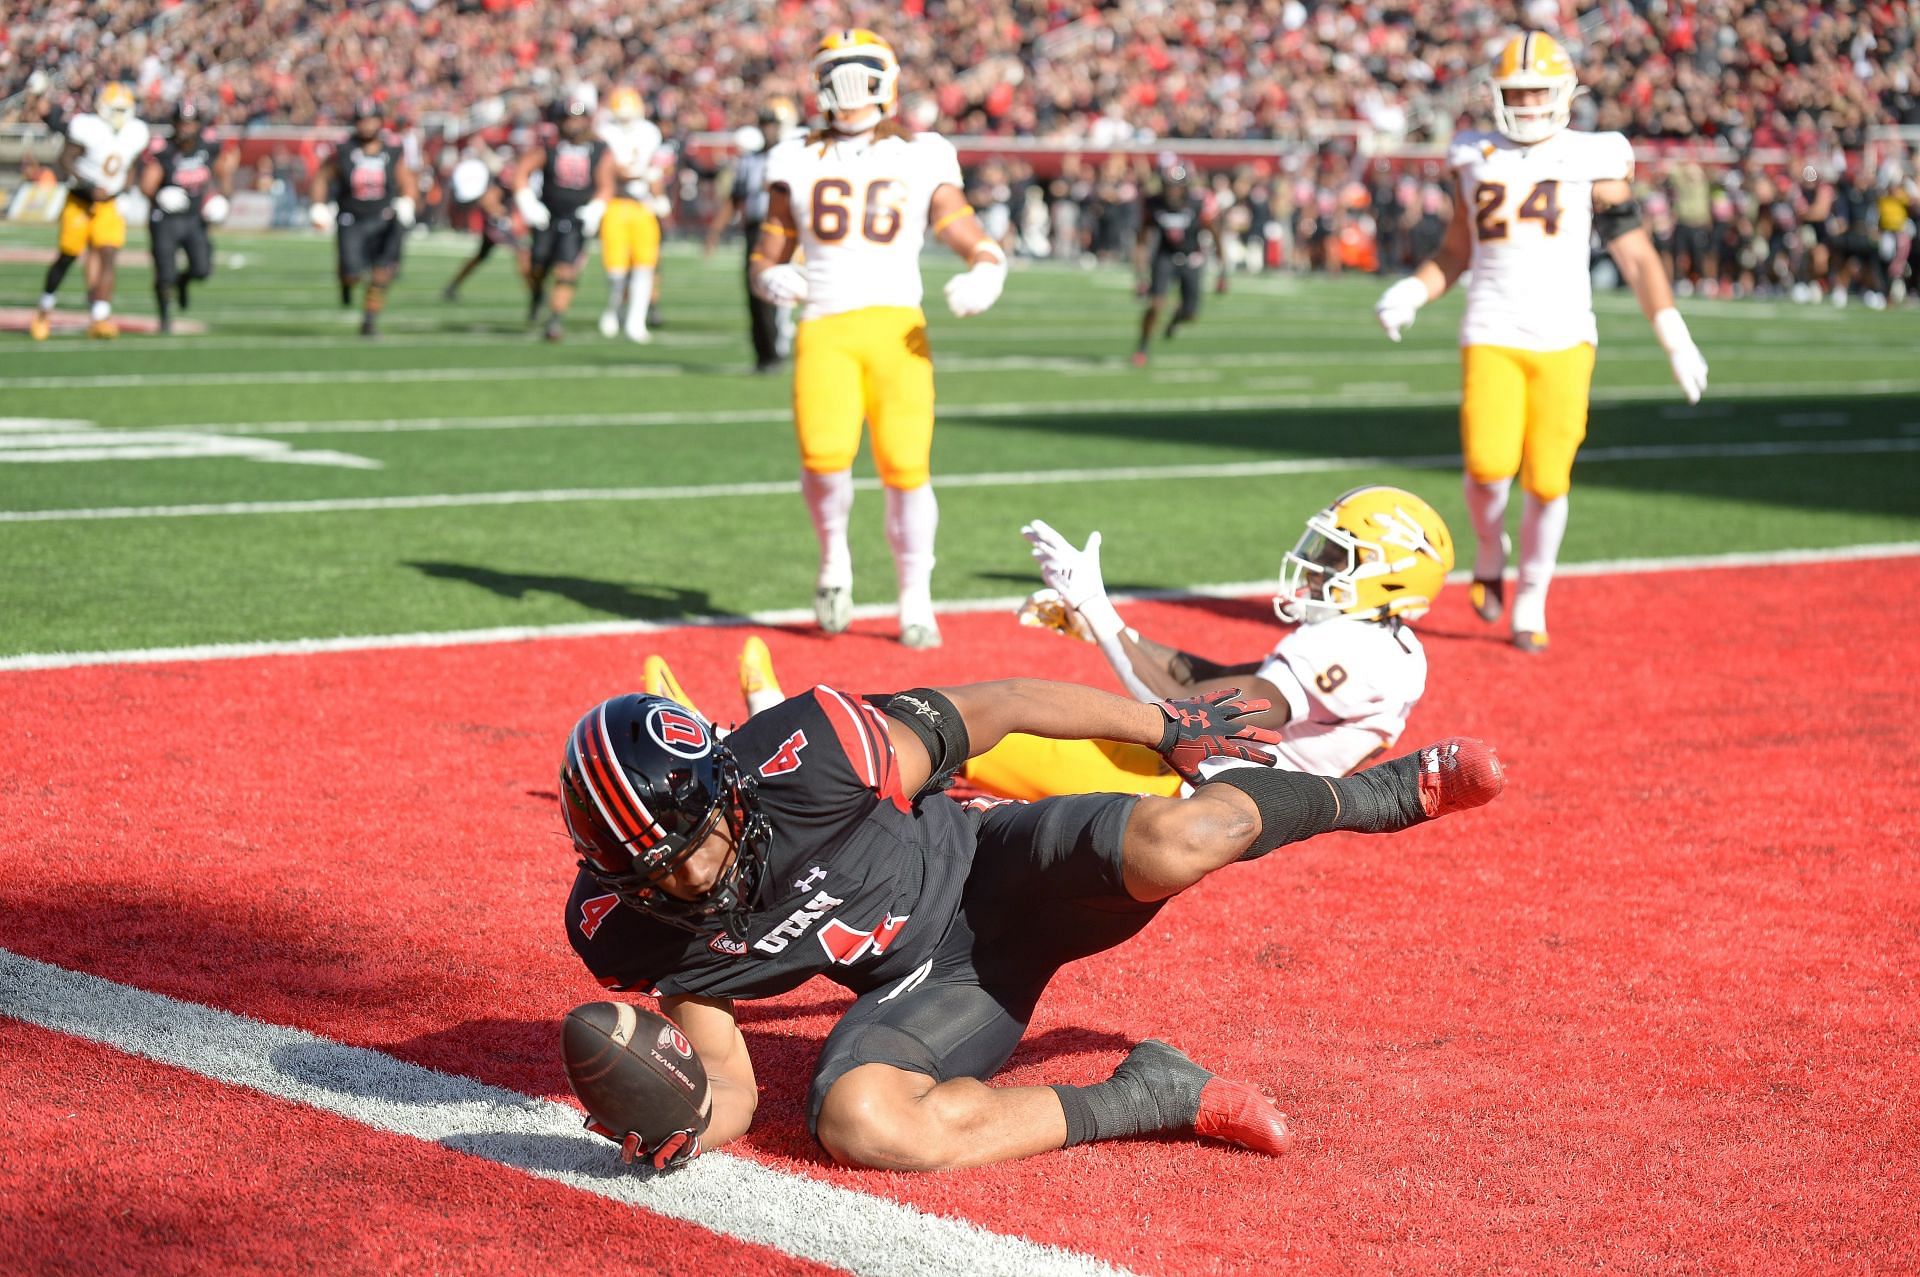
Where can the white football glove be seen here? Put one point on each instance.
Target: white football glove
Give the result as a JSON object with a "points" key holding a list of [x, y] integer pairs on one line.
{"points": [[532, 211], [1075, 575], [323, 216], [782, 285], [403, 212], [1688, 364], [172, 199], [974, 291], [1398, 305], [215, 210], [1046, 610], [590, 215]]}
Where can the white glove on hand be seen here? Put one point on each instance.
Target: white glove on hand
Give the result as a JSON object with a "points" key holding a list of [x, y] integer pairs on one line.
{"points": [[782, 285], [323, 216], [215, 210], [1075, 574], [172, 199], [1688, 364], [532, 211], [403, 212], [1046, 610], [590, 215], [1398, 305], [976, 290]]}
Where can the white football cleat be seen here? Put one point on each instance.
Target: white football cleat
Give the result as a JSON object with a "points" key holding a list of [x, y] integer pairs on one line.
{"points": [[609, 324], [833, 608], [637, 330]]}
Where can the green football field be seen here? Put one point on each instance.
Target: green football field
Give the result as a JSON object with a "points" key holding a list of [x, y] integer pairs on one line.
{"points": [[276, 477]]}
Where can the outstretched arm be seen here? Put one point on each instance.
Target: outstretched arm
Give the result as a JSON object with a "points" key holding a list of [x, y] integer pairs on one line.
{"points": [[1617, 217], [715, 1035], [1430, 279]]}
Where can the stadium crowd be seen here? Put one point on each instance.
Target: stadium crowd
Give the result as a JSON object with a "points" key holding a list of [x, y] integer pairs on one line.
{"points": [[1788, 87]]}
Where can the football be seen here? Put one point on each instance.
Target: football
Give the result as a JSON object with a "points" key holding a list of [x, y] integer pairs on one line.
{"points": [[634, 1070]]}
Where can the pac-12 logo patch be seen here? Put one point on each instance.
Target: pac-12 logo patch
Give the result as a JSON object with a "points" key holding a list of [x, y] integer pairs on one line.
{"points": [[678, 731], [724, 943], [670, 1036]]}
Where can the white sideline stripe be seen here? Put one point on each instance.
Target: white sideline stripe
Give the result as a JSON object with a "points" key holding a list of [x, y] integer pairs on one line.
{"points": [[728, 1195], [344, 376], [865, 611], [989, 479]]}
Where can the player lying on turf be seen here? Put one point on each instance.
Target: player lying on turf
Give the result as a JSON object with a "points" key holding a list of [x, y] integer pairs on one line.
{"points": [[816, 841], [1342, 685]]}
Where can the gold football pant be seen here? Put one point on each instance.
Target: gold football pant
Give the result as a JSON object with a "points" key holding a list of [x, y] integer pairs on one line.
{"points": [[1524, 412], [86, 224], [1031, 767], [870, 364], [629, 236]]}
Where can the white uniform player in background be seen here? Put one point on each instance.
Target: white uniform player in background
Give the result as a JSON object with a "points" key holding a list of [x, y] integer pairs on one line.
{"points": [[859, 197], [101, 154], [1527, 199], [1341, 685], [630, 230]]}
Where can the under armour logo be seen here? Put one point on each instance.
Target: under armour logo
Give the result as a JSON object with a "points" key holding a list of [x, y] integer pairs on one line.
{"points": [[814, 874]]}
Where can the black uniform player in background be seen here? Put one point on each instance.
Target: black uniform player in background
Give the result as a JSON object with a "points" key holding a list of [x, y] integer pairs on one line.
{"points": [[577, 178], [494, 209], [1168, 248], [188, 182], [817, 841], [366, 189]]}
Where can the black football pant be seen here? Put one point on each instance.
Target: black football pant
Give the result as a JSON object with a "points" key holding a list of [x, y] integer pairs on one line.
{"points": [[1045, 888], [172, 234]]}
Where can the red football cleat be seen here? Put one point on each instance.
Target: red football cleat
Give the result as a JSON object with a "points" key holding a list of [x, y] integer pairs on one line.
{"points": [[1238, 1114], [1459, 774]]}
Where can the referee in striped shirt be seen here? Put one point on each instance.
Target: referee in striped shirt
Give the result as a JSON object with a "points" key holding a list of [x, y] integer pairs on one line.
{"points": [[748, 200]]}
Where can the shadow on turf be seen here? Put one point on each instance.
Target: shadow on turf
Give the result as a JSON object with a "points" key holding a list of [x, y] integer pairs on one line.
{"points": [[614, 598], [1853, 483]]}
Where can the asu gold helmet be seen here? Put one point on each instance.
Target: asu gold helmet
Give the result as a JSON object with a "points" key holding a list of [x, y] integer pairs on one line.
{"points": [[1374, 554], [625, 106], [115, 104], [854, 68], [1533, 60]]}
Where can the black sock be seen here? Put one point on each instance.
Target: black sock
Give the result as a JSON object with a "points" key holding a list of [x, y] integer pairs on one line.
{"points": [[1294, 805], [164, 300], [57, 272], [183, 294], [1156, 1088]]}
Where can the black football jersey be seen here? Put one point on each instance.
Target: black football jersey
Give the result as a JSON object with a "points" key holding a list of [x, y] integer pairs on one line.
{"points": [[191, 170], [1176, 230], [364, 184], [567, 181], [862, 880]]}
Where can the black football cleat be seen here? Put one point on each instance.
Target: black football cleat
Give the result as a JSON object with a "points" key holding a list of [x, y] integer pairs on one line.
{"points": [[369, 327], [1219, 1109], [1532, 642]]}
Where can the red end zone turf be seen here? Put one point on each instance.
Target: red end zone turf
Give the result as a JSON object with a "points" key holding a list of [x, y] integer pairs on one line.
{"points": [[1654, 1010]]}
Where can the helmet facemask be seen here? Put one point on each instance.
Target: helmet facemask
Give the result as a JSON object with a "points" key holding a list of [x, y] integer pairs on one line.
{"points": [[1317, 576], [849, 82], [1536, 122]]}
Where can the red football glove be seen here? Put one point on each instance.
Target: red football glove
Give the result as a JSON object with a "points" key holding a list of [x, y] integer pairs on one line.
{"points": [[1206, 727], [676, 1149]]}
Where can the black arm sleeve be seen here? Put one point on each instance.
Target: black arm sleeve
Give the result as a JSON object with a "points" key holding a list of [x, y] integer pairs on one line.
{"points": [[1616, 219], [935, 720]]}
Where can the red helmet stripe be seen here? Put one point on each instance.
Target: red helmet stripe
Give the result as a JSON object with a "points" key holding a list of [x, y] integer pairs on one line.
{"points": [[618, 803]]}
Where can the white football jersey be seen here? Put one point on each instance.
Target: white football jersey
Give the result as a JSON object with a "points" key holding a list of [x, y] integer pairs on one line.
{"points": [[634, 148], [107, 158], [861, 206], [1532, 211], [1350, 686]]}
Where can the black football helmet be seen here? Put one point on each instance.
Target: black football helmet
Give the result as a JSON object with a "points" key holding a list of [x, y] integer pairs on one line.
{"points": [[642, 785]]}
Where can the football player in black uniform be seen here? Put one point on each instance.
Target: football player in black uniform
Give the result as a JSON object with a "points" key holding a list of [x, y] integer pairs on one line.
{"points": [[366, 189], [816, 840], [577, 178], [187, 183], [494, 208], [1169, 247]]}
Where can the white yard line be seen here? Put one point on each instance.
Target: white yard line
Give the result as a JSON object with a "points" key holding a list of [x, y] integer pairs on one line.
{"points": [[1625, 454], [802, 615], [733, 1196]]}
